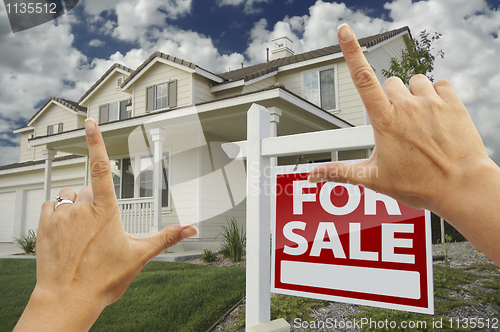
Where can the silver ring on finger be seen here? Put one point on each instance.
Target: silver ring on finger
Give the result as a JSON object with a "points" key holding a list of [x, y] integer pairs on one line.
{"points": [[63, 200]]}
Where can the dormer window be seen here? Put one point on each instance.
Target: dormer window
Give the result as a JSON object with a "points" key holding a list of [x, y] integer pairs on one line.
{"points": [[114, 111], [161, 96], [55, 129]]}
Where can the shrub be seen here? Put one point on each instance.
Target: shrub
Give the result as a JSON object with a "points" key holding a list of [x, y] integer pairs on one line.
{"points": [[208, 256], [28, 242], [234, 240]]}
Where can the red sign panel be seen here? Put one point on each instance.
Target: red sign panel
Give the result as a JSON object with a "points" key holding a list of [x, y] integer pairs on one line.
{"points": [[349, 244]]}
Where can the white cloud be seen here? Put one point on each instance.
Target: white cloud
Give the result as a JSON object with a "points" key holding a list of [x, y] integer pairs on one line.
{"points": [[249, 7], [134, 17], [35, 63], [96, 43]]}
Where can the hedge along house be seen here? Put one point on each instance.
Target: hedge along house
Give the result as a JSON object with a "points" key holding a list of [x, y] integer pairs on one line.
{"points": [[178, 113]]}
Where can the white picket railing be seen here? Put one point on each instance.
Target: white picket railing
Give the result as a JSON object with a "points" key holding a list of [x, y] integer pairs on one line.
{"points": [[137, 214]]}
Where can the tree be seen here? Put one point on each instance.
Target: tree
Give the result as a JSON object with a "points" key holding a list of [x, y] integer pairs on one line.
{"points": [[416, 59]]}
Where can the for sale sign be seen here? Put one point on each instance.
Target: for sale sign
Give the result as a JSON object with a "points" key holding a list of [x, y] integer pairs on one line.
{"points": [[346, 243]]}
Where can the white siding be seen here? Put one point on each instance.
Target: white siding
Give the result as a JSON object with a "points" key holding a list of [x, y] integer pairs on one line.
{"points": [[106, 93], [229, 92], [54, 114], [380, 58], [223, 190], [260, 84], [25, 153], [157, 74], [351, 106], [202, 89], [292, 80]]}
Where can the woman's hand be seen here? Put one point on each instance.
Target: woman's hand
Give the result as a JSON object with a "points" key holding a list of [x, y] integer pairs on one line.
{"points": [[428, 153], [85, 260]]}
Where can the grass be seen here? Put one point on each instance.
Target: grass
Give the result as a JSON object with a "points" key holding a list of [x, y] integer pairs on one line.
{"points": [[186, 297], [164, 296], [445, 280], [283, 306]]}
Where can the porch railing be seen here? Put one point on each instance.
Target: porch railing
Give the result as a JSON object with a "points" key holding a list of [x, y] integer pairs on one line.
{"points": [[137, 214]]}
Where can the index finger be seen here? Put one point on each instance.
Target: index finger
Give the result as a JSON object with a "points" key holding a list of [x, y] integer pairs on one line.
{"points": [[364, 78], [100, 170]]}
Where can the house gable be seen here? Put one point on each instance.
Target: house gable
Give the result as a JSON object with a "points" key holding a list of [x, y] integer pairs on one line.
{"points": [[107, 92], [113, 72], [179, 82]]}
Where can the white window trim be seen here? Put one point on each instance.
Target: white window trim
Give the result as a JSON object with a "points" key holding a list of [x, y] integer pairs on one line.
{"points": [[336, 82], [137, 161]]}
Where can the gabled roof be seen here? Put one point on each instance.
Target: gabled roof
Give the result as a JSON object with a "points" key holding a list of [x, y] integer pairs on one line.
{"points": [[115, 67], [177, 62], [71, 105], [251, 72]]}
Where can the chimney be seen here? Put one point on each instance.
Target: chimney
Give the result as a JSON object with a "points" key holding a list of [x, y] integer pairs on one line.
{"points": [[282, 48]]}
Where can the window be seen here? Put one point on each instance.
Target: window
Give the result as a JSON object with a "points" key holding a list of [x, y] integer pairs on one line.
{"points": [[161, 96], [319, 88], [114, 111], [55, 129], [129, 186]]}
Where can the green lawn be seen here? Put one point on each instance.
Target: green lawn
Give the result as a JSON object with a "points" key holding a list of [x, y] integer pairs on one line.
{"points": [[163, 297]]}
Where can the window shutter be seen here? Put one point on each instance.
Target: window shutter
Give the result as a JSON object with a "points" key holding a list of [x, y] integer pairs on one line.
{"points": [[60, 128], [103, 114], [172, 94], [123, 110], [48, 130], [150, 98]]}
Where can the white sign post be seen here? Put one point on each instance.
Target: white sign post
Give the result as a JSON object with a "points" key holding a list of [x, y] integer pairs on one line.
{"points": [[258, 149]]}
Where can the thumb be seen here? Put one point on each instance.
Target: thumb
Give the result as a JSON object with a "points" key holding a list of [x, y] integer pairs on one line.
{"points": [[153, 245], [360, 173]]}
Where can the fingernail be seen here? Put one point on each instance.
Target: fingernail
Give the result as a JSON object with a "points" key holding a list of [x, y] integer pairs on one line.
{"points": [[188, 232], [90, 126], [345, 32]]}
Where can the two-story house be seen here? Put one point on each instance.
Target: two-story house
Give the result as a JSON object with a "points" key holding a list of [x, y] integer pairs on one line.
{"points": [[172, 110]]}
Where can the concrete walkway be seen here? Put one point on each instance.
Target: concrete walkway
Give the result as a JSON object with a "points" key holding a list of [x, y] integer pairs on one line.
{"points": [[12, 250]]}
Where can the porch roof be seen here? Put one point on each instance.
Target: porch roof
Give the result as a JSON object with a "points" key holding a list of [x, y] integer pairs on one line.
{"points": [[225, 118]]}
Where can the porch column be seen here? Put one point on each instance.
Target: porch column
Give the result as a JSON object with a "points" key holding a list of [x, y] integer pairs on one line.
{"points": [[275, 119], [48, 155], [157, 137]]}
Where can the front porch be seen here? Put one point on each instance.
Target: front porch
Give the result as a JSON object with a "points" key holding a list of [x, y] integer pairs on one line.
{"points": [[176, 171]]}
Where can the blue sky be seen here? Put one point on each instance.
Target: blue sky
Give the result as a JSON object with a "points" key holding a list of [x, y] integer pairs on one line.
{"points": [[65, 57]]}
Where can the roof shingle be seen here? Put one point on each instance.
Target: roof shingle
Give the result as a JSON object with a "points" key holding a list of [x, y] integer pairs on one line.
{"points": [[261, 69]]}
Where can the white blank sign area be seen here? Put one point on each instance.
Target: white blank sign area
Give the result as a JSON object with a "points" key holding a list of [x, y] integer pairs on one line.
{"points": [[405, 284]]}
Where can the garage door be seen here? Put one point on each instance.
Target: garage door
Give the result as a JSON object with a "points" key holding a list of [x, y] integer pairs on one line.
{"points": [[33, 200], [7, 208]]}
